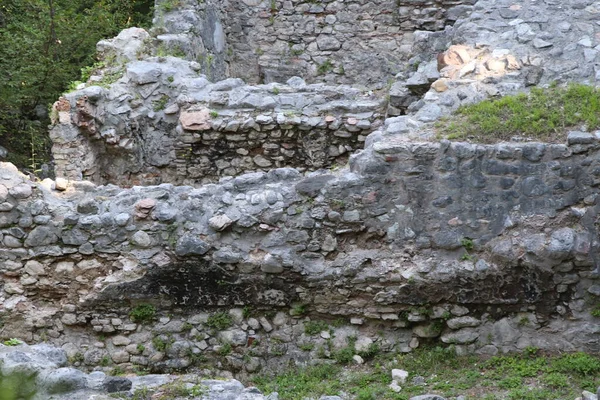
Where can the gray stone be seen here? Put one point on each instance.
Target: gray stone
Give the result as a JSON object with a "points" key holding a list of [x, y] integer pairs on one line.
{"points": [[311, 186], [62, 380], [466, 335], [594, 289], [328, 42], [141, 239], [189, 245], [561, 243], [143, 72], [21, 191], [41, 236], [399, 375], [114, 384], [88, 206], [462, 322], [577, 137]]}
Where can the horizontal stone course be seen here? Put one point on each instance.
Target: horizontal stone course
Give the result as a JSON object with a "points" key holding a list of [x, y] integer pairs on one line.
{"points": [[442, 240]]}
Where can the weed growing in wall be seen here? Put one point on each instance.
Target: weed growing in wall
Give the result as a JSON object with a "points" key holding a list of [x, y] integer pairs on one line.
{"points": [[219, 321], [315, 327], [12, 342], [160, 104], [143, 313], [325, 67]]}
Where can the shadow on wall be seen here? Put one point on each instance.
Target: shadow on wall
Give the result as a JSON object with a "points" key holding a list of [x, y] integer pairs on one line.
{"points": [[199, 283]]}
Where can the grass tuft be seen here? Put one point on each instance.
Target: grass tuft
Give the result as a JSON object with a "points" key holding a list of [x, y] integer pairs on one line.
{"points": [[543, 114]]}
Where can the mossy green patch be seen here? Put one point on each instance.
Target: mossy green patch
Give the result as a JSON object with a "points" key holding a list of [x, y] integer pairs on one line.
{"points": [[543, 114]]}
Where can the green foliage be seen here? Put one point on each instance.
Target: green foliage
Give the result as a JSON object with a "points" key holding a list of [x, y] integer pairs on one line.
{"points": [[179, 389], [117, 371], [315, 327], [161, 344], [344, 356], [219, 321], [17, 386], [160, 104], [12, 342], [531, 351], [370, 351], [299, 310], [225, 349], [105, 361], [325, 67], [543, 114], [580, 363], [467, 243], [44, 45], [525, 376], [142, 393], [529, 394], [169, 5], [214, 114], [297, 384], [143, 313], [174, 51], [306, 346], [87, 72], [77, 357], [596, 312], [556, 380]]}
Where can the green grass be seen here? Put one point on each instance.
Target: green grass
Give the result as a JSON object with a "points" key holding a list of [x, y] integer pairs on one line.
{"points": [[296, 384], [543, 114], [525, 376]]}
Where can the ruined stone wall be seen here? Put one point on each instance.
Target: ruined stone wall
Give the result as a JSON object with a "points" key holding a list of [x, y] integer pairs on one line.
{"points": [[163, 122], [489, 248], [349, 42]]}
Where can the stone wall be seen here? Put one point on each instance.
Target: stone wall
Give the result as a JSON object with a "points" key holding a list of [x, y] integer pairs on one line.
{"points": [[350, 42], [488, 248], [163, 122]]}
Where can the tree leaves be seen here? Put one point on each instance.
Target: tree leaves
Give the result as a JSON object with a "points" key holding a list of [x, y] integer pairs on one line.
{"points": [[43, 46]]}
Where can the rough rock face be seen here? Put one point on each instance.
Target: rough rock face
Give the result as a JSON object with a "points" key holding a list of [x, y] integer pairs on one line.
{"points": [[490, 248], [149, 118], [458, 241], [162, 122], [40, 372], [351, 42]]}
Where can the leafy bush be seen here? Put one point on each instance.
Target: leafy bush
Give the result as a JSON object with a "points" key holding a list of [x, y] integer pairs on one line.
{"points": [[37, 36]]}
